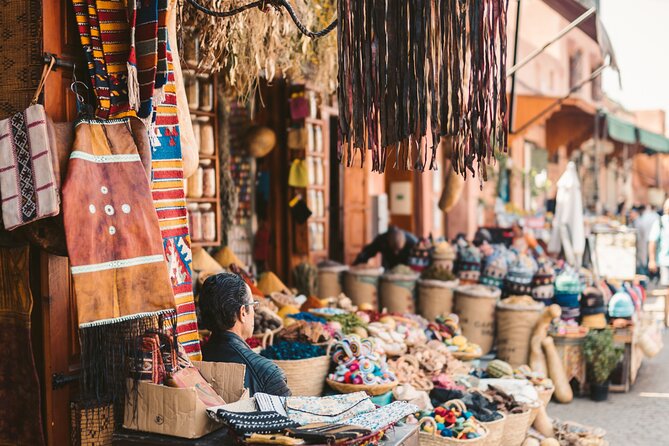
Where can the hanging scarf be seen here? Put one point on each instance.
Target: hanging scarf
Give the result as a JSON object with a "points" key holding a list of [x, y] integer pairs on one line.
{"points": [[162, 64], [412, 72], [104, 33], [170, 203], [143, 58]]}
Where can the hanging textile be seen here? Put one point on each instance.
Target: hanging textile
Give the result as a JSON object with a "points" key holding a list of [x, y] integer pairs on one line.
{"points": [[169, 200], [143, 57], [20, 413], [104, 32], [412, 72], [117, 262], [27, 180], [21, 48]]}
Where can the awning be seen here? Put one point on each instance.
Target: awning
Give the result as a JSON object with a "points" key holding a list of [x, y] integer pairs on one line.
{"points": [[620, 130], [653, 142]]}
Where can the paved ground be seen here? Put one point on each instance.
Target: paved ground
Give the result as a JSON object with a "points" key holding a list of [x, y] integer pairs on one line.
{"points": [[637, 418]]}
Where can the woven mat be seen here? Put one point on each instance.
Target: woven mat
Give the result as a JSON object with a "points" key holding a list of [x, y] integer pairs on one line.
{"points": [[21, 53]]}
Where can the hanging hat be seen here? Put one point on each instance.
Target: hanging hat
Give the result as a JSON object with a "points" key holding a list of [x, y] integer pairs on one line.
{"points": [[443, 251], [518, 280], [621, 305], [592, 302], [269, 283], [225, 257], [469, 262], [543, 283], [260, 141], [594, 321], [202, 261], [494, 270]]}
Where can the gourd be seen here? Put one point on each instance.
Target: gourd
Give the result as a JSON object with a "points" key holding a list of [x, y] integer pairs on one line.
{"points": [[563, 392], [499, 369], [543, 423], [549, 442], [537, 357]]}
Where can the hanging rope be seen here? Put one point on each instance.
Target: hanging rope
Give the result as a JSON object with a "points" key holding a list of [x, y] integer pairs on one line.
{"points": [[262, 4]]}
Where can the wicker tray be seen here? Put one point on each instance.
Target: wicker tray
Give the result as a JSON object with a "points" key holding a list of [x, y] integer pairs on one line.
{"points": [[372, 390], [464, 356]]}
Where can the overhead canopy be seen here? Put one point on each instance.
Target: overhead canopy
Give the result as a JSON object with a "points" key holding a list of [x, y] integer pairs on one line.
{"points": [[621, 130], [626, 132], [592, 26]]}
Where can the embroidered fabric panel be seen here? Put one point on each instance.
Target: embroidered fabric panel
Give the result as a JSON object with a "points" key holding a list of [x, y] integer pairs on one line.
{"points": [[169, 199], [111, 230], [271, 403], [27, 180], [384, 416], [328, 409]]}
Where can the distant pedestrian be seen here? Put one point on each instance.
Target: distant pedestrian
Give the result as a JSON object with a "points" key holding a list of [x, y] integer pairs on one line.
{"points": [[658, 246], [643, 218]]}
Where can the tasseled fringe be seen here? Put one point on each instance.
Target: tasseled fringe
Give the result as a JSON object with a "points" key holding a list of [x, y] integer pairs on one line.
{"points": [[133, 87], [106, 353], [412, 72]]}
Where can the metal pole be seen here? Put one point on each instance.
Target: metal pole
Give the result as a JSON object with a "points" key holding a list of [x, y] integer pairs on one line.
{"points": [[513, 75], [535, 53]]}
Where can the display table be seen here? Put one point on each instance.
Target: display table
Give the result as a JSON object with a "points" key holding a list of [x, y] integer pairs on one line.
{"points": [[406, 435], [625, 376], [570, 350]]}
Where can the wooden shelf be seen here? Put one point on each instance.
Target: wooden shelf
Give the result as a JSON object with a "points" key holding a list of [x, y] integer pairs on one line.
{"points": [[205, 244], [210, 114], [315, 154], [317, 220], [316, 187], [203, 200], [208, 157]]}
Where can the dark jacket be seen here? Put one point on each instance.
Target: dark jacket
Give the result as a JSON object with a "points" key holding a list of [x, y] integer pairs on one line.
{"points": [[262, 375], [381, 244]]}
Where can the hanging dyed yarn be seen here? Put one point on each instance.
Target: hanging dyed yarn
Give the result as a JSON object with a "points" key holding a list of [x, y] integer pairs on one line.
{"points": [[412, 72]]}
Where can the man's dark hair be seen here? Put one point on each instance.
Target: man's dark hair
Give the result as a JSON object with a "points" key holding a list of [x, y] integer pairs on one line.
{"points": [[221, 297]]}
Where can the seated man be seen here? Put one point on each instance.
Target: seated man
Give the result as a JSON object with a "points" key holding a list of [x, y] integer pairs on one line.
{"points": [[227, 308]]}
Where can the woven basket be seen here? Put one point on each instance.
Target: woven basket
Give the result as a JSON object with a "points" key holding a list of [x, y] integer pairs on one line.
{"points": [[495, 431], [330, 281], [435, 297], [515, 428], [534, 411], [305, 377], [545, 395], [465, 356], [372, 390], [427, 439]]}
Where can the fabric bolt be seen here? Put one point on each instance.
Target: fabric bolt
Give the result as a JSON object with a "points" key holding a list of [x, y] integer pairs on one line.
{"points": [[104, 32], [143, 55], [111, 229], [20, 413], [27, 180], [169, 200], [328, 409], [384, 416]]}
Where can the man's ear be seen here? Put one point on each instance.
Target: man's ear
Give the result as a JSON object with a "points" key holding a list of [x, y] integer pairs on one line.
{"points": [[242, 313]]}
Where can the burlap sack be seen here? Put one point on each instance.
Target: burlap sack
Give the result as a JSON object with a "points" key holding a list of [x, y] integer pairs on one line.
{"points": [[330, 279], [515, 324], [475, 305], [435, 298], [361, 285], [398, 293]]}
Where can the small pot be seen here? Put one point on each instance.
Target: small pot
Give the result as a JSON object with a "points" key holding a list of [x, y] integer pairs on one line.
{"points": [[599, 392]]}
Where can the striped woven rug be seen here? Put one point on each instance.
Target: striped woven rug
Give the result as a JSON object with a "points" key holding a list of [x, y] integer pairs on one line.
{"points": [[169, 199]]}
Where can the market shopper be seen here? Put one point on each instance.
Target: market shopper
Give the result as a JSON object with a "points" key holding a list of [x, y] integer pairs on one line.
{"points": [[228, 310], [394, 245], [642, 219], [658, 246]]}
